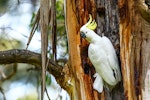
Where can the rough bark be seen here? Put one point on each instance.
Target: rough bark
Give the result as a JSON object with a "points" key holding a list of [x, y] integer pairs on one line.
{"points": [[76, 15], [108, 25], [108, 20], [134, 48]]}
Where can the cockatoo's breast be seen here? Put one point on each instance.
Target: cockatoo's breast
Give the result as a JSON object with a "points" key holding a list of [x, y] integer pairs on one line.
{"points": [[98, 55]]}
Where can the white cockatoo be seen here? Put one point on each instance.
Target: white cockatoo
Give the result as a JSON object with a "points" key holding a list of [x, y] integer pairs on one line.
{"points": [[102, 55]]}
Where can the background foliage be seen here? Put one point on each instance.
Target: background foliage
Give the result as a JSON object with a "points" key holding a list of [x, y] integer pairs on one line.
{"points": [[27, 77]]}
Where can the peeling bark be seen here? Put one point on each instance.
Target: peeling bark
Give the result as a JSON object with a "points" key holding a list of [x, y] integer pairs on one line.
{"points": [[77, 15], [134, 44]]}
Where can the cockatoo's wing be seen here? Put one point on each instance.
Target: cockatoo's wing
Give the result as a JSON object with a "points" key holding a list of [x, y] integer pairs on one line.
{"points": [[112, 58], [98, 83], [98, 55]]}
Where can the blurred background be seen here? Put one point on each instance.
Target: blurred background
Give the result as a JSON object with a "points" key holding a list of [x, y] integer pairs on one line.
{"points": [[22, 81]]}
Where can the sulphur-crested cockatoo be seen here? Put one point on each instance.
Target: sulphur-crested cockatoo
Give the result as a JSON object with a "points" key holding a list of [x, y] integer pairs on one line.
{"points": [[102, 55]]}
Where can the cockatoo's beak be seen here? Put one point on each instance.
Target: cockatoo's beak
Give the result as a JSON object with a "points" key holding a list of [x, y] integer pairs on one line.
{"points": [[82, 35]]}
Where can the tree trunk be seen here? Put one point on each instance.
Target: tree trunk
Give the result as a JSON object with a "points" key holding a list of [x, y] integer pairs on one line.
{"points": [[77, 14], [82, 82], [135, 47]]}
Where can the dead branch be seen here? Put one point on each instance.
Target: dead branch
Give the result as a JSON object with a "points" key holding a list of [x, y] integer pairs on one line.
{"points": [[34, 27]]}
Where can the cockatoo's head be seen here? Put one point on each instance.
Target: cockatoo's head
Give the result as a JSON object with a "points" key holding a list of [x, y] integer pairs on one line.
{"points": [[86, 31]]}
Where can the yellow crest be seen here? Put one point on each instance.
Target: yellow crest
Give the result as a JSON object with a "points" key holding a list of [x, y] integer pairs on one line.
{"points": [[91, 24]]}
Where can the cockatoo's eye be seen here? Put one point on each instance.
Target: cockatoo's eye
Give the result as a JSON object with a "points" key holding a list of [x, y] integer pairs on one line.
{"points": [[82, 34]]}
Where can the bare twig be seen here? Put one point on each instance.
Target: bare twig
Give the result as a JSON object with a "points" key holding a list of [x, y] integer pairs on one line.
{"points": [[44, 25], [47, 94], [35, 25], [53, 28]]}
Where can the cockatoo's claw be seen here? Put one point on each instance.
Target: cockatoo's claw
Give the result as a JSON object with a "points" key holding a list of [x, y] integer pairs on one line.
{"points": [[98, 83], [95, 75]]}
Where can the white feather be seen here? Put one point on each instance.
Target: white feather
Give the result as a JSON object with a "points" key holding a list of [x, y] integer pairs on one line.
{"points": [[98, 83], [98, 60]]}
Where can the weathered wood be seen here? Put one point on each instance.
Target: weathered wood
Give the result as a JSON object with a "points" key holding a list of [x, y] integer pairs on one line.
{"points": [[134, 44], [108, 25], [44, 24], [53, 28], [77, 15], [144, 48]]}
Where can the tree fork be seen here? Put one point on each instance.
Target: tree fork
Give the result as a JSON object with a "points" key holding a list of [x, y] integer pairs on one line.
{"points": [[61, 74]]}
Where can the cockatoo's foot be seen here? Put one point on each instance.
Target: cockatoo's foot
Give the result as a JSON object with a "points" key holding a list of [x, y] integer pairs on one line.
{"points": [[98, 83], [95, 75]]}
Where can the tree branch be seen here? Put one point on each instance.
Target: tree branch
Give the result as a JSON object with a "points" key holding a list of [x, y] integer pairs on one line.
{"points": [[26, 56], [61, 73]]}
